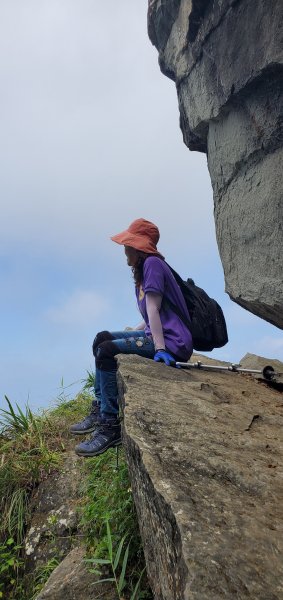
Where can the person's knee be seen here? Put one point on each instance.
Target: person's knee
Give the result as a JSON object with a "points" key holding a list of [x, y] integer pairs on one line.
{"points": [[100, 337], [105, 356]]}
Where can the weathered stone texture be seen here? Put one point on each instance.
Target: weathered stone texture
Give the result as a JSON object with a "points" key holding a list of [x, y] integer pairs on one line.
{"points": [[252, 361], [55, 532], [226, 58], [72, 580], [54, 523], [205, 455]]}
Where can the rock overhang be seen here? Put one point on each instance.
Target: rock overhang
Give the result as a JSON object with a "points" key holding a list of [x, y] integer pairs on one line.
{"points": [[227, 62]]}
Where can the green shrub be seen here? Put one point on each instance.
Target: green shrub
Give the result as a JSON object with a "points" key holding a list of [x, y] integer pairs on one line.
{"points": [[9, 565]]}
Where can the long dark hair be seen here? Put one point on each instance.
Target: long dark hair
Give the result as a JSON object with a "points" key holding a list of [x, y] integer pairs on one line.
{"points": [[137, 270]]}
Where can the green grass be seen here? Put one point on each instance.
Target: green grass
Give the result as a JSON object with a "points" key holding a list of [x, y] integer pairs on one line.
{"points": [[10, 565], [31, 448], [118, 562], [42, 574], [108, 507], [17, 420]]}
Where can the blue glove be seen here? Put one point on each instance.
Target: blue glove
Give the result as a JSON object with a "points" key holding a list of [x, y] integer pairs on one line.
{"points": [[163, 356]]}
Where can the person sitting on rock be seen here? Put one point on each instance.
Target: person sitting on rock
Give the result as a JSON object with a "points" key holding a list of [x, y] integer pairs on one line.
{"points": [[161, 336]]}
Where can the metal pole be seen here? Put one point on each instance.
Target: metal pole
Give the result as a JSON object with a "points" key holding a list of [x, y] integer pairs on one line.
{"points": [[267, 372], [117, 458]]}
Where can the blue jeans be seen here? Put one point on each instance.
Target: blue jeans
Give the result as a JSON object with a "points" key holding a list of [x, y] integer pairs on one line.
{"points": [[106, 389]]}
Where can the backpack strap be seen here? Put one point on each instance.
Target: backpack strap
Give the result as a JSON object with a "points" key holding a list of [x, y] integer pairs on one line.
{"points": [[168, 302], [174, 308]]}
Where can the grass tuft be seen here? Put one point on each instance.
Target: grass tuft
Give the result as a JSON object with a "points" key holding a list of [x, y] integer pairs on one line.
{"points": [[110, 522], [31, 448], [20, 422]]}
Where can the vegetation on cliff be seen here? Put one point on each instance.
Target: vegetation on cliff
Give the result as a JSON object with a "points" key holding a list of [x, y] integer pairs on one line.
{"points": [[32, 449]]}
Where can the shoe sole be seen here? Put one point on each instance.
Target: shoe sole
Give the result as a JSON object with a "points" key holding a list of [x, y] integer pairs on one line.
{"points": [[91, 454], [85, 430]]}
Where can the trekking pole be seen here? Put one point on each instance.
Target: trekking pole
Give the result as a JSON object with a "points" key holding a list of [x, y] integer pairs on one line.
{"points": [[117, 459], [267, 372]]}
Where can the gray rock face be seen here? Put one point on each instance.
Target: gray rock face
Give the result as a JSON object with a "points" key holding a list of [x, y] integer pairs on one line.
{"points": [[226, 58], [204, 450], [55, 533], [72, 580], [54, 523], [252, 361]]}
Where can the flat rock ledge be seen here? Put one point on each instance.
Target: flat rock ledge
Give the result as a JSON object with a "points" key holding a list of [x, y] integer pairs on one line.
{"points": [[205, 456]]}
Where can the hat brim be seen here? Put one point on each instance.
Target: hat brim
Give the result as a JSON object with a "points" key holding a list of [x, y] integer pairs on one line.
{"points": [[124, 238], [139, 242]]}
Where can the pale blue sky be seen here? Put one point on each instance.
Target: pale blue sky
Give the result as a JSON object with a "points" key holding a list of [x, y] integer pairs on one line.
{"points": [[90, 140]]}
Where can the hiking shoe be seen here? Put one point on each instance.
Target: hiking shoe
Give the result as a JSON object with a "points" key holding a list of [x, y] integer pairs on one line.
{"points": [[107, 435], [89, 423]]}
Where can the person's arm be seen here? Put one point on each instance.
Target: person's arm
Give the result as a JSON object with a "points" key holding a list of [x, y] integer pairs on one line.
{"points": [[153, 305], [140, 327]]}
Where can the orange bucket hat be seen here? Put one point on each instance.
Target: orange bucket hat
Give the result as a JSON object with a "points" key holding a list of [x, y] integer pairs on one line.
{"points": [[141, 235]]}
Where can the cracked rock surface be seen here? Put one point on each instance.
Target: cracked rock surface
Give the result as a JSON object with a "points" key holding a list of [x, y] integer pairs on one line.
{"points": [[226, 58], [205, 456]]}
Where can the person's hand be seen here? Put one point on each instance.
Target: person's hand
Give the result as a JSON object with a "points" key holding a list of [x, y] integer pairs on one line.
{"points": [[163, 356]]}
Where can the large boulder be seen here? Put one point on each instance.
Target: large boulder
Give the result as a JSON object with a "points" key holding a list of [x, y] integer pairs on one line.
{"points": [[227, 61], [204, 450]]}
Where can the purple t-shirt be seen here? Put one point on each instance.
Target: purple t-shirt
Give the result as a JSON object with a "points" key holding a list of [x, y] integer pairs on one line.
{"points": [[158, 278]]}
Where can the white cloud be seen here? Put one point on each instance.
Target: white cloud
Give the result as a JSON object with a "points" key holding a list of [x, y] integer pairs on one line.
{"points": [[90, 129], [83, 307], [90, 141]]}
